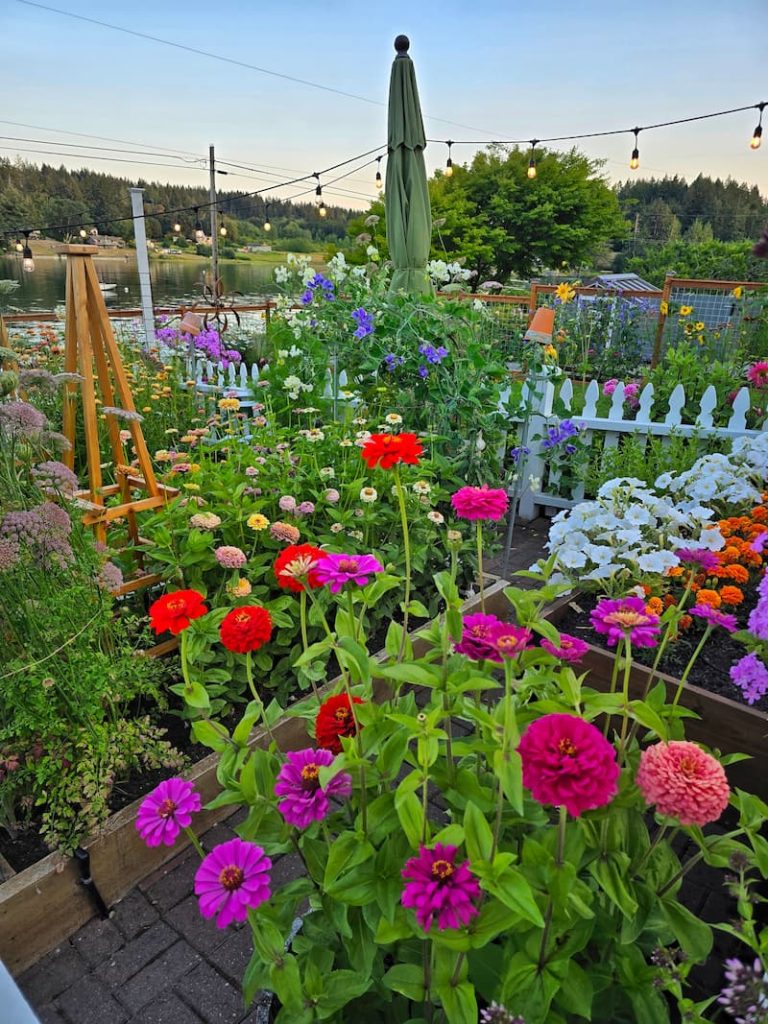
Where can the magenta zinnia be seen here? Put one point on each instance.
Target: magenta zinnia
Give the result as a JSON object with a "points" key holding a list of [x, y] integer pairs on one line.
{"points": [[626, 617], [439, 888], [336, 570], [568, 762], [705, 559], [304, 800], [509, 640], [570, 648], [166, 811], [757, 375], [233, 877], [714, 617], [480, 502], [477, 637]]}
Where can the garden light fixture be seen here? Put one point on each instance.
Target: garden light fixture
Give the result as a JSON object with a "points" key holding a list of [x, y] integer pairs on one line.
{"points": [[267, 225], [757, 134], [27, 262], [378, 172], [634, 160], [532, 161], [448, 163]]}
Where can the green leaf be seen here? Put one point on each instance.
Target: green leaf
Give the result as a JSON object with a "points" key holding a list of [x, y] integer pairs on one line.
{"points": [[611, 873], [312, 652], [348, 849], [286, 981], [576, 991], [694, 936], [479, 837], [341, 987], [210, 734], [459, 1003], [411, 815], [196, 695], [352, 655], [408, 980], [512, 888], [410, 674], [508, 769], [646, 716], [417, 609]]}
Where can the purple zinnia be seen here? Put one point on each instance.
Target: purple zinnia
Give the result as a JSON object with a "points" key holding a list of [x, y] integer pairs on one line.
{"points": [[440, 888], [233, 877], [298, 783], [623, 618], [336, 570], [751, 676], [714, 617], [477, 637], [166, 811], [705, 559]]}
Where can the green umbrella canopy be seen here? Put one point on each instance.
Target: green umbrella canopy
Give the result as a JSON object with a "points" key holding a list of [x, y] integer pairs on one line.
{"points": [[409, 217]]}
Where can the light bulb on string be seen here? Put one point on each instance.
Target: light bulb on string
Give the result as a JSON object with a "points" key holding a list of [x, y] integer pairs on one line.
{"points": [[176, 228], [757, 134], [532, 162], [19, 246], [199, 233], [322, 209], [267, 225], [378, 173], [448, 172], [634, 160], [223, 231], [27, 262], [83, 233]]}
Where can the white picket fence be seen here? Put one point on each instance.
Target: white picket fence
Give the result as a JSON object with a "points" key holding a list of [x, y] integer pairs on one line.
{"points": [[238, 381], [620, 420]]}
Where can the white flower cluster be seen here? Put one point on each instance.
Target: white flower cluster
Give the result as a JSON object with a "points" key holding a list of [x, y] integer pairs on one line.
{"points": [[338, 268], [447, 273], [628, 532], [724, 480], [294, 386]]}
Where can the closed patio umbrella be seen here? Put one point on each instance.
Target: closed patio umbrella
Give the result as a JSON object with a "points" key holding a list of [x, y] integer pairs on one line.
{"points": [[408, 213]]}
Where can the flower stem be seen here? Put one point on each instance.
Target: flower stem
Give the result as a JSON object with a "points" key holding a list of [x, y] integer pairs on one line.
{"points": [[614, 681], [407, 549], [426, 954], [359, 744], [625, 693], [559, 860], [480, 575], [304, 637], [351, 610], [256, 697], [691, 663], [190, 833]]}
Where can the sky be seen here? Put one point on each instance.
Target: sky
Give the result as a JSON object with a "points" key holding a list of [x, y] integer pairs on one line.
{"points": [[497, 70]]}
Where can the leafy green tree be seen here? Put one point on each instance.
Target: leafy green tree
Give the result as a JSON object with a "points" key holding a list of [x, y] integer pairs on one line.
{"points": [[721, 261]]}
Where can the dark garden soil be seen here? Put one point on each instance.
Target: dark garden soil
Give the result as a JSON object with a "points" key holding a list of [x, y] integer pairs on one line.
{"points": [[710, 671]]}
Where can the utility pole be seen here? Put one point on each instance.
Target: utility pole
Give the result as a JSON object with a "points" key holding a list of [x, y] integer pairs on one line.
{"points": [[142, 261], [214, 222]]}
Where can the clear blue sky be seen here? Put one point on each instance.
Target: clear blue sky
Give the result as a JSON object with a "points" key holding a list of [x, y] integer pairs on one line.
{"points": [[513, 70]]}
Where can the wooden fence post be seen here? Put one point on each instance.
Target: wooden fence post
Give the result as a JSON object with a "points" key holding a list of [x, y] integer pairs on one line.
{"points": [[663, 313]]}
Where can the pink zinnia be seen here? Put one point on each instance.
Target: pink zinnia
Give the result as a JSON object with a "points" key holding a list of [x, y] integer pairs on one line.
{"points": [[233, 877], [626, 617], [509, 640], [477, 637], [336, 570], [332, 495], [166, 811], [440, 888], [298, 782], [683, 781], [757, 375], [715, 617], [287, 503], [480, 502], [569, 763], [285, 532], [230, 557], [570, 649]]}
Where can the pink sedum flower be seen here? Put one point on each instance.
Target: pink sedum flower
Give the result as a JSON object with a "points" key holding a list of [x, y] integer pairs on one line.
{"points": [[683, 781], [232, 878], [569, 763], [336, 570], [439, 889], [570, 649], [480, 502], [477, 637], [626, 617], [166, 811], [298, 782]]}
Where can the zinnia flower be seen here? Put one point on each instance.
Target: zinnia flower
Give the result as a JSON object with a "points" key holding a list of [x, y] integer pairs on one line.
{"points": [[334, 720], [626, 617], [246, 629], [285, 532], [388, 450], [205, 521], [257, 522], [570, 648], [174, 612], [714, 617], [757, 375], [336, 570], [230, 557], [477, 637], [702, 557], [298, 783], [683, 781], [480, 502], [509, 640], [295, 566], [233, 877], [439, 888], [569, 763], [166, 811]]}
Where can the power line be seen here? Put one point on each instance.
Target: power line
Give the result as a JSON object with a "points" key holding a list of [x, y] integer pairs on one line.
{"points": [[101, 138], [104, 149], [111, 159]]}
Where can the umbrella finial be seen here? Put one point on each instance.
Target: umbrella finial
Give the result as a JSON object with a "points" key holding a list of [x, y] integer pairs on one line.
{"points": [[402, 44]]}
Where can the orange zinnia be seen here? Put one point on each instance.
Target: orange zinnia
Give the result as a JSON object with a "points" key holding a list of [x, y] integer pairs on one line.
{"points": [[710, 597], [730, 595]]}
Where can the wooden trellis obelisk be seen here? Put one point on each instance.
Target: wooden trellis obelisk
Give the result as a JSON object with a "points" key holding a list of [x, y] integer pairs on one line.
{"points": [[90, 344]]}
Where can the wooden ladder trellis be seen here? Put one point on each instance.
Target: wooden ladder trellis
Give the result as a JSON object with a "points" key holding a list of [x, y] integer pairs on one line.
{"points": [[89, 342]]}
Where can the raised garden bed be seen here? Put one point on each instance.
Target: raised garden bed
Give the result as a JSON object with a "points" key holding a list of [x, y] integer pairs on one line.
{"points": [[45, 903]]}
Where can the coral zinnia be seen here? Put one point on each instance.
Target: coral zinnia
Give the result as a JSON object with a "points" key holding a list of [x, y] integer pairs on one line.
{"points": [[165, 811], [480, 502], [246, 629], [683, 781], [626, 617], [298, 782], [569, 763], [334, 720], [233, 877], [570, 648], [439, 888], [336, 570], [174, 612], [387, 450], [477, 637], [295, 566]]}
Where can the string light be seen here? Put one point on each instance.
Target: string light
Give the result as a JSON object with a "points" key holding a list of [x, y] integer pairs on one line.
{"points": [[199, 233], [378, 172], [176, 228], [223, 231], [322, 210], [634, 160], [267, 225], [757, 134], [19, 246], [448, 172], [83, 233], [532, 161], [27, 262]]}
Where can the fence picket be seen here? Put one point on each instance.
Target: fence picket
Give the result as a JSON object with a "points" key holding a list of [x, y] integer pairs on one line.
{"points": [[566, 394], [591, 399], [707, 407], [676, 402], [646, 405], [738, 420], [616, 411]]}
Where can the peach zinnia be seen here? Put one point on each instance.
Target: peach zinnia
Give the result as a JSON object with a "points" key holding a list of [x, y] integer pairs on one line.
{"points": [[683, 781]]}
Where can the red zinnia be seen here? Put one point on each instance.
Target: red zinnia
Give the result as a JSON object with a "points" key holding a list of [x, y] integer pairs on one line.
{"points": [[246, 629], [295, 565], [174, 612], [334, 720], [386, 450]]}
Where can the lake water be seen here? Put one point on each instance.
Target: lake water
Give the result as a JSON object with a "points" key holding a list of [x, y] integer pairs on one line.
{"points": [[173, 281]]}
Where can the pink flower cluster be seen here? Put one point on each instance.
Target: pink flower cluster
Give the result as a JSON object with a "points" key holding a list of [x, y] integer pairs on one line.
{"points": [[486, 638], [480, 503], [230, 557]]}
